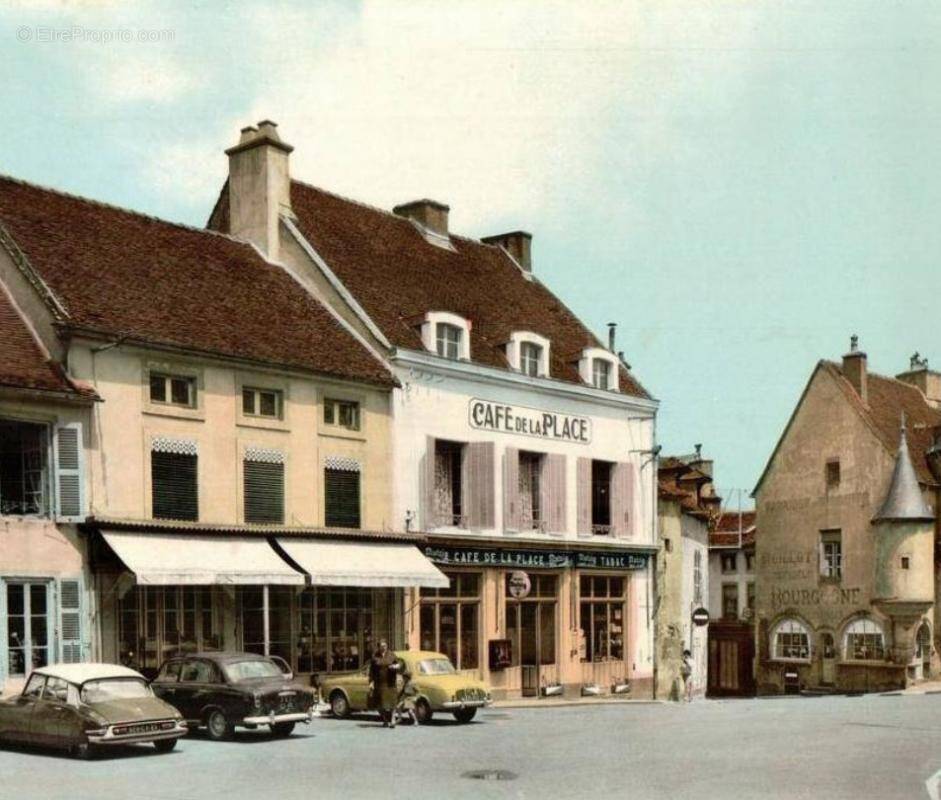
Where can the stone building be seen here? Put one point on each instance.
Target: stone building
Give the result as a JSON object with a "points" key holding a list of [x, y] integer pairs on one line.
{"points": [[521, 444], [687, 511], [846, 573]]}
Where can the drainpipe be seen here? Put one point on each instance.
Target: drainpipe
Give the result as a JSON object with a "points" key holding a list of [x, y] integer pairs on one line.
{"points": [[265, 621]]}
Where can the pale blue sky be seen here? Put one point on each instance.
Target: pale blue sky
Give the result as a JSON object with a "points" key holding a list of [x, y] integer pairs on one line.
{"points": [[740, 185]]}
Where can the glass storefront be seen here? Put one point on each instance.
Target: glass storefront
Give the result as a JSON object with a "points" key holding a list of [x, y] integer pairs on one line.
{"points": [[450, 619], [531, 622], [602, 602]]}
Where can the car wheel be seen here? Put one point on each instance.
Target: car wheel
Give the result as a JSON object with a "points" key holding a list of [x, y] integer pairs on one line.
{"points": [[465, 715], [83, 751], [164, 745], [423, 712], [339, 705], [218, 727], [282, 729]]}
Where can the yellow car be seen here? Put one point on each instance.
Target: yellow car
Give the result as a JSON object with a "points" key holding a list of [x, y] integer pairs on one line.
{"points": [[437, 686]]}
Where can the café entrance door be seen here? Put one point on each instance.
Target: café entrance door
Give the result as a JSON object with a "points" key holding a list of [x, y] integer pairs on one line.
{"points": [[530, 623]]}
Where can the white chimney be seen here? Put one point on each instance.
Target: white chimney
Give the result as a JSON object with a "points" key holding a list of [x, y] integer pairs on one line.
{"points": [[259, 186]]}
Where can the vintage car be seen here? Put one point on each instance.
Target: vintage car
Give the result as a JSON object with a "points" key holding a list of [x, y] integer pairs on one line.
{"points": [[223, 690], [81, 707], [435, 684]]}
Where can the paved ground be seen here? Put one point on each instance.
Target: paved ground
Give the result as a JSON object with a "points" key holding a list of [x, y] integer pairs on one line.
{"points": [[833, 747]]}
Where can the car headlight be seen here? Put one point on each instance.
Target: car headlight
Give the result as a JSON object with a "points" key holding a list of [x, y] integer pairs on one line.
{"points": [[95, 717]]}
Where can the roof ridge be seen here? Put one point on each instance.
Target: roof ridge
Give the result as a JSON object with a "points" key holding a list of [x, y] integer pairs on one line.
{"points": [[123, 209]]}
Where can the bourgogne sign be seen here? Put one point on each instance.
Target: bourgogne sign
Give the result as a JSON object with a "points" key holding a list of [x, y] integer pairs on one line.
{"points": [[489, 416]]}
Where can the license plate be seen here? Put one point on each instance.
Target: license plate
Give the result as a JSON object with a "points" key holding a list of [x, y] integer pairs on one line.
{"points": [[144, 727]]}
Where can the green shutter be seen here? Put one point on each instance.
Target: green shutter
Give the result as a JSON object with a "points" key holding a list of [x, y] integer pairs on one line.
{"points": [[341, 498], [70, 500], [264, 492], [71, 648], [174, 486]]}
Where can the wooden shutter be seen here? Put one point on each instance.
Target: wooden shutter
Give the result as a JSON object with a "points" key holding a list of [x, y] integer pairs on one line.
{"points": [[70, 493], [71, 650], [478, 489], [583, 489], [427, 484], [174, 485], [264, 491], [341, 498], [622, 499], [511, 489], [552, 492]]}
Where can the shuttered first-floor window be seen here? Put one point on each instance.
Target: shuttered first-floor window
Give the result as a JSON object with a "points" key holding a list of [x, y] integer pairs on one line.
{"points": [[174, 480], [264, 486], [341, 497]]}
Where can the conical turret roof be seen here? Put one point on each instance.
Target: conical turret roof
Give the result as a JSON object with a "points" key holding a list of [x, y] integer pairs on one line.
{"points": [[904, 500]]}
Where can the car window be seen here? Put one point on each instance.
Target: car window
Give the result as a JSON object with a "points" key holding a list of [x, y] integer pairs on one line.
{"points": [[256, 668], [56, 689], [196, 672], [170, 672], [435, 666], [107, 689], [34, 686]]}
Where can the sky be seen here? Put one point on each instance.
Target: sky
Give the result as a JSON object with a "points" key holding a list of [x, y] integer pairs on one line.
{"points": [[739, 185]]}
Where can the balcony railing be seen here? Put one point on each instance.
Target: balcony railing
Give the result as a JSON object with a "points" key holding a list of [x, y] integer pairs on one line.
{"points": [[444, 520], [601, 530]]}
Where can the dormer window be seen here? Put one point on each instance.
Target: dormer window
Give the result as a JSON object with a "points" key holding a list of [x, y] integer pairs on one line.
{"points": [[448, 339], [600, 373], [446, 334], [530, 356]]}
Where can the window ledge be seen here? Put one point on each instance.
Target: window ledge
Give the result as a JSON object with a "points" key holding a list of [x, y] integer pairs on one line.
{"points": [[336, 432], [263, 423], [197, 414]]}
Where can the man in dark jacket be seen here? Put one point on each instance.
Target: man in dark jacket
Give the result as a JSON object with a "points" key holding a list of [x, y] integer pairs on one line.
{"points": [[382, 685]]}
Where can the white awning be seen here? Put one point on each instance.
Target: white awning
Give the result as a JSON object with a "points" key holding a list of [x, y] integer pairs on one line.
{"points": [[363, 564], [167, 559]]}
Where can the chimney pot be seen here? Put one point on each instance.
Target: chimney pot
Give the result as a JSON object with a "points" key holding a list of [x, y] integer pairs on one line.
{"points": [[430, 214], [518, 244], [854, 369], [612, 331]]}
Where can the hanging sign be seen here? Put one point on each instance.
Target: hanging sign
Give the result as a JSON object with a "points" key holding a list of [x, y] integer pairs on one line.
{"points": [[519, 585], [489, 416]]}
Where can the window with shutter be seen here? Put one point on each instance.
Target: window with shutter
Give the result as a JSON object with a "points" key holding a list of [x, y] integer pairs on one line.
{"points": [[341, 498], [70, 622], [68, 447], [174, 485], [264, 486], [24, 481], [601, 498]]}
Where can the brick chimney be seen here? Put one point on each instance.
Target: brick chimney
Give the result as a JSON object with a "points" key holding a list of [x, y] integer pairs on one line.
{"points": [[430, 214], [259, 186], [927, 380], [517, 243], [854, 369]]}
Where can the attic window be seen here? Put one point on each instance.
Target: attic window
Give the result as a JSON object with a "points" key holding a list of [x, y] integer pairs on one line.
{"points": [[600, 373], [833, 473], [598, 367], [448, 340], [528, 353], [447, 335]]}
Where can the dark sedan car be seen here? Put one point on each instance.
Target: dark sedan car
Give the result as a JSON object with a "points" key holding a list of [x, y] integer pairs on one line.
{"points": [[223, 690]]}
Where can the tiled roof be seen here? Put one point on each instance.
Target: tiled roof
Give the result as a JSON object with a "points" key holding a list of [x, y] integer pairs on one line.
{"points": [[726, 533], [23, 365], [397, 276], [887, 399], [729, 521], [687, 485], [125, 274]]}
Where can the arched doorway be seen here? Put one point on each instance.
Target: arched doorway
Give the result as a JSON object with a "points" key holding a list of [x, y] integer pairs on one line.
{"points": [[923, 651]]}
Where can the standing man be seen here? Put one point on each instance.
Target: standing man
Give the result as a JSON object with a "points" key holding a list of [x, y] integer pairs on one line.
{"points": [[382, 684], [686, 670]]}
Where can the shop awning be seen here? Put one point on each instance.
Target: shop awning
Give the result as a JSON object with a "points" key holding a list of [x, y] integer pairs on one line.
{"points": [[363, 564], [168, 559]]}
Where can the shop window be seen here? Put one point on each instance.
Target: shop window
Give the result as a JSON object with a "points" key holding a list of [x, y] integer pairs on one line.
{"points": [[174, 485], [24, 474], [448, 340], [341, 498], [601, 497], [341, 413], [27, 626], [729, 562], [156, 623], [448, 488], [602, 617], [730, 601], [831, 554], [267, 403], [530, 359], [790, 641], [172, 390], [833, 473], [263, 473], [601, 373], [863, 641], [530, 479], [450, 619]]}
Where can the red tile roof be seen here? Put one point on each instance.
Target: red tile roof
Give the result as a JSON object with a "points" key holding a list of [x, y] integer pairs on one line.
{"points": [[120, 273], [23, 365], [726, 533], [729, 521], [397, 276]]}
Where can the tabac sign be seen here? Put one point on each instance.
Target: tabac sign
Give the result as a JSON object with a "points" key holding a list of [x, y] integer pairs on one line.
{"points": [[486, 415], [539, 559]]}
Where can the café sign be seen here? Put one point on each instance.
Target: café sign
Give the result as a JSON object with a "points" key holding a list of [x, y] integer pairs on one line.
{"points": [[535, 559], [486, 415]]}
